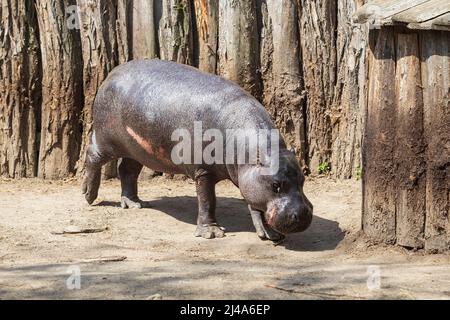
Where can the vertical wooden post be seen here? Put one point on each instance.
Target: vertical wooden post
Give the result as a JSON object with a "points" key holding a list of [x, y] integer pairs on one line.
{"points": [[318, 42], [62, 90], [143, 29], [284, 95], [410, 149], [19, 88], [378, 220], [123, 30], [98, 30], [175, 31], [350, 91], [435, 57], [207, 21], [238, 44]]}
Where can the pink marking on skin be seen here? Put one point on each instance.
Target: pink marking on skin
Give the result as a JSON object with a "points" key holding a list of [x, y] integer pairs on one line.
{"points": [[271, 215], [141, 141]]}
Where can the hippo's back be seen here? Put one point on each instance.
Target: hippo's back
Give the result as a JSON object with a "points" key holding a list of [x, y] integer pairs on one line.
{"points": [[150, 99], [155, 88]]}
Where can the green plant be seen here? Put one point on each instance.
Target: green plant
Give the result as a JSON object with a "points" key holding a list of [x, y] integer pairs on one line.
{"points": [[324, 168], [358, 173]]}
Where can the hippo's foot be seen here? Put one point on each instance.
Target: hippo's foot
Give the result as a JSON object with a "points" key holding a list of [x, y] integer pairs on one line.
{"points": [[90, 191], [210, 231], [132, 203], [265, 232]]}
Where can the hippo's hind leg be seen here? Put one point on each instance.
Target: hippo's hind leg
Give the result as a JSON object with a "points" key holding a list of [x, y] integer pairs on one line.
{"points": [[94, 162], [207, 226], [129, 170]]}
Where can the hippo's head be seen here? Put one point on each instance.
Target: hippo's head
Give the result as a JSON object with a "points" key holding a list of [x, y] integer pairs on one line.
{"points": [[279, 196]]}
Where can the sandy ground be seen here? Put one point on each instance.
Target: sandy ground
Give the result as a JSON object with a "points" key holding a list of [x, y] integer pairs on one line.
{"points": [[164, 259]]}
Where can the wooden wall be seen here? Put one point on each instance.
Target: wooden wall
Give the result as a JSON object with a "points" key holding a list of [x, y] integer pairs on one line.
{"points": [[406, 144], [304, 60]]}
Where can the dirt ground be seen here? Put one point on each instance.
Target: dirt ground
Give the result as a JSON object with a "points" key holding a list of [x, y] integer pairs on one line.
{"points": [[164, 259]]}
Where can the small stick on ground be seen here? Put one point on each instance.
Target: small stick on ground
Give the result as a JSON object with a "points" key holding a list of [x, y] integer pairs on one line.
{"points": [[102, 259], [78, 230], [320, 295]]}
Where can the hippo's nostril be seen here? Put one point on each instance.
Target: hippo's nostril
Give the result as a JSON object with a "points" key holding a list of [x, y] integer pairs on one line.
{"points": [[295, 218]]}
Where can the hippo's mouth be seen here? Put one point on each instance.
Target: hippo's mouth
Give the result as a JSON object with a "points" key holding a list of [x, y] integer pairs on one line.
{"points": [[284, 226], [269, 218]]}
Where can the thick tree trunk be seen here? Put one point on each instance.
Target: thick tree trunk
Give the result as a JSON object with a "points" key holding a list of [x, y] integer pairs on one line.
{"points": [[238, 44], [100, 56], [379, 191], [349, 93], [19, 88], [281, 72], [143, 29], [435, 58], [62, 90], [318, 41], [207, 23], [175, 31]]}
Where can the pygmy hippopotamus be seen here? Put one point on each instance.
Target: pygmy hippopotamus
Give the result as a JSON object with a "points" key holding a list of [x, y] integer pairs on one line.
{"points": [[140, 106]]}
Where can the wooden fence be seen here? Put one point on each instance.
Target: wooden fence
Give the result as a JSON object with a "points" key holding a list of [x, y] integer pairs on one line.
{"points": [[304, 60]]}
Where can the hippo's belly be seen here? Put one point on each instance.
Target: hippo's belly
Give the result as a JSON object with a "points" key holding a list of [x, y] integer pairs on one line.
{"points": [[151, 149]]}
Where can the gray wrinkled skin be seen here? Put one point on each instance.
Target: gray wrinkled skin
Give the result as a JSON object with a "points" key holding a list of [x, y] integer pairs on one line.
{"points": [[135, 112]]}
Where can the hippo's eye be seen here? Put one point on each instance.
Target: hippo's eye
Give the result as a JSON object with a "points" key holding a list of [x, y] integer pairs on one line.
{"points": [[276, 187]]}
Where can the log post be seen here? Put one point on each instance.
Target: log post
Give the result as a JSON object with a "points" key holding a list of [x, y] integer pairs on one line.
{"points": [[207, 23], [284, 95], [122, 30], [175, 31], [410, 148], [19, 89], [143, 29], [62, 90], [100, 56], [435, 58], [238, 44], [318, 41], [350, 92], [379, 191]]}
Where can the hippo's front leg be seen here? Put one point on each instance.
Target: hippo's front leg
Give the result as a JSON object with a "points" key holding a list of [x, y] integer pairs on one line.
{"points": [[207, 226], [129, 170], [263, 230]]}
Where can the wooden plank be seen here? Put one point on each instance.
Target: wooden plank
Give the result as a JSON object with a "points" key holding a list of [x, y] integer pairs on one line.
{"points": [[410, 151], [443, 20], [423, 12], [435, 57], [379, 140], [439, 23], [382, 9], [427, 25]]}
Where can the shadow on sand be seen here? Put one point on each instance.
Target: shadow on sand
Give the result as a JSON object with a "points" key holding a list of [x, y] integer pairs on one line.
{"points": [[323, 234]]}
